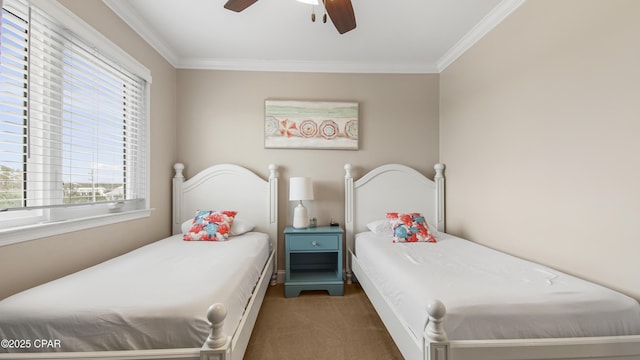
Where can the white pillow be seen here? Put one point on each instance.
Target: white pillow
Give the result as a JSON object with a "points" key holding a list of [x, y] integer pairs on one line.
{"points": [[238, 227], [380, 226], [241, 226]]}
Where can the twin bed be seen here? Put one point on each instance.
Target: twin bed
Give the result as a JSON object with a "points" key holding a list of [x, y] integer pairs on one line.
{"points": [[172, 299], [450, 299], [453, 299]]}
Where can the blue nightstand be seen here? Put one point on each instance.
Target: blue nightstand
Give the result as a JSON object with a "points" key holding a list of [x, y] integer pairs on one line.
{"points": [[313, 260]]}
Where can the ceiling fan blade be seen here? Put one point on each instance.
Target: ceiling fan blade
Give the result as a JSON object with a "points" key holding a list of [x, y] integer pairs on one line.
{"points": [[238, 5], [341, 14]]}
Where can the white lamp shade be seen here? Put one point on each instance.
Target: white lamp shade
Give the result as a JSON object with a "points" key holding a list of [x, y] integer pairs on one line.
{"points": [[312, 2], [300, 188]]}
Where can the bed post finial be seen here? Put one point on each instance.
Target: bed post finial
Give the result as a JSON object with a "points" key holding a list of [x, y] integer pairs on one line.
{"points": [[435, 330], [347, 170], [273, 171], [436, 343], [439, 167], [178, 167], [216, 315]]}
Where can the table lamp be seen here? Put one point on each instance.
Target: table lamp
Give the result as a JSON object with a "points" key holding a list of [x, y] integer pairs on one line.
{"points": [[300, 188]]}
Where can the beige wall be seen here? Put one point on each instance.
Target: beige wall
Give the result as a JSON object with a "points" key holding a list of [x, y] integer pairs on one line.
{"points": [[30, 263], [540, 131], [221, 119]]}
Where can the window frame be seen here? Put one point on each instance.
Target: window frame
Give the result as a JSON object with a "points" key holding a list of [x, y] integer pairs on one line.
{"points": [[97, 214]]}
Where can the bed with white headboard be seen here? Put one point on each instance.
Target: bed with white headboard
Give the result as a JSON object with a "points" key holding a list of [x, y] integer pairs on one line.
{"points": [[456, 300], [171, 284]]}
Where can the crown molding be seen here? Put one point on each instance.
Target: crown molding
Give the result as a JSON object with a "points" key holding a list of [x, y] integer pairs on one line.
{"points": [[306, 66], [490, 21], [124, 10]]}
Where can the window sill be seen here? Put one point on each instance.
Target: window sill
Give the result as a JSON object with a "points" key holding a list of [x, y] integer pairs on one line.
{"points": [[33, 232]]}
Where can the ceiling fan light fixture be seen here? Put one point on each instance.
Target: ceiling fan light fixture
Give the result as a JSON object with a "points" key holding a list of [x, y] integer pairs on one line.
{"points": [[340, 11]]}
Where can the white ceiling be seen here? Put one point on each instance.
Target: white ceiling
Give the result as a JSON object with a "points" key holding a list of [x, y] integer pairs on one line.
{"points": [[392, 36]]}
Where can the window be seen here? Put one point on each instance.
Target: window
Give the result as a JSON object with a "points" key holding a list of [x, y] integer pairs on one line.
{"points": [[73, 125]]}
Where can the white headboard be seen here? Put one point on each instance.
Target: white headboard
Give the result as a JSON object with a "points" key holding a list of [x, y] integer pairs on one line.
{"points": [[228, 187], [391, 188]]}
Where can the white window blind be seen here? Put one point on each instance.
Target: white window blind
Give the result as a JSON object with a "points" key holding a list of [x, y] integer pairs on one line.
{"points": [[73, 136]]}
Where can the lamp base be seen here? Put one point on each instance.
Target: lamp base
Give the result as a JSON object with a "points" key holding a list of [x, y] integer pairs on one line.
{"points": [[300, 217]]}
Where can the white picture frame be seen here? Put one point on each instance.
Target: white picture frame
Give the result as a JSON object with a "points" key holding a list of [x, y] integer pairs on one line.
{"points": [[292, 124]]}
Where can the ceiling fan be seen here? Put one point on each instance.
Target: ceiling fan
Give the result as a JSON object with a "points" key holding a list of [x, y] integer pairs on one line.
{"points": [[340, 12]]}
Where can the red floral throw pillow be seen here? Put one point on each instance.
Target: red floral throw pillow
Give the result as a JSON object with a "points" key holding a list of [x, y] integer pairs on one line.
{"points": [[411, 227], [210, 226]]}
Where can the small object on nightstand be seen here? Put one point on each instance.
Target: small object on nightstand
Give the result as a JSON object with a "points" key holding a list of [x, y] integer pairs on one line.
{"points": [[313, 222], [333, 223]]}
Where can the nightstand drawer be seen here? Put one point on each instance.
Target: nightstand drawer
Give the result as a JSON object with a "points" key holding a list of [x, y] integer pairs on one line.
{"points": [[311, 242]]}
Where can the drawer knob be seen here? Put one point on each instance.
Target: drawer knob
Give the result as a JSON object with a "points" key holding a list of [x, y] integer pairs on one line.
{"points": [[314, 243]]}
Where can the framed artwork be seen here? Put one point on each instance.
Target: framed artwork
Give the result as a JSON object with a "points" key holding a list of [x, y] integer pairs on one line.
{"points": [[290, 124]]}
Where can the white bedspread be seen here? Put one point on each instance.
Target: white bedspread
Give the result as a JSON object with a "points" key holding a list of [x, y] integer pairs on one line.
{"points": [[489, 294], [154, 297]]}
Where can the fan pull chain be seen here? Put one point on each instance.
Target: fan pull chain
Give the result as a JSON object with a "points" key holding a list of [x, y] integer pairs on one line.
{"points": [[313, 13], [324, 17]]}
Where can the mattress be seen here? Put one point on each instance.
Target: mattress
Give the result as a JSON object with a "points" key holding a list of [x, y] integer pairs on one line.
{"points": [[489, 294], [154, 297]]}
